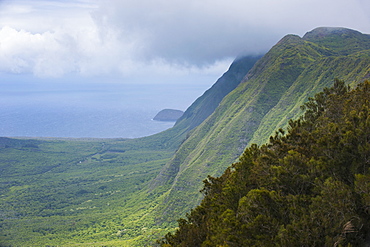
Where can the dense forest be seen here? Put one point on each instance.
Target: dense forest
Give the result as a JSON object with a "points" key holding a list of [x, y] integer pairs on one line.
{"points": [[308, 186]]}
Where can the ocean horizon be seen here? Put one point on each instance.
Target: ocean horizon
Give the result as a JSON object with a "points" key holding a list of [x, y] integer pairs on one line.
{"points": [[100, 110]]}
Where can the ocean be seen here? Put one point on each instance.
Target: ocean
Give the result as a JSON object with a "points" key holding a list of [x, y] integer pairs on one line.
{"points": [[97, 110]]}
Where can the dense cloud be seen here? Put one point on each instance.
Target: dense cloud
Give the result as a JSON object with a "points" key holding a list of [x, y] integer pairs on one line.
{"points": [[129, 37], [200, 32]]}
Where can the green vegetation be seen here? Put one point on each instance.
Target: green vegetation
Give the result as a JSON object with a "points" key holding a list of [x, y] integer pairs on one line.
{"points": [[269, 96], [309, 187], [120, 192], [85, 192], [63, 192], [205, 105]]}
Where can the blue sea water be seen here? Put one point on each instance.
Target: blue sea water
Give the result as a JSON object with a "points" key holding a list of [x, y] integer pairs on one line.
{"points": [[99, 110]]}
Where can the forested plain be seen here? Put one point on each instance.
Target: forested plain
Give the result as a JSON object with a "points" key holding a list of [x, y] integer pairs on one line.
{"points": [[59, 192]]}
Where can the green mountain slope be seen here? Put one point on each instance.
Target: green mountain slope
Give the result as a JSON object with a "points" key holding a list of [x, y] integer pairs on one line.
{"points": [[201, 108], [209, 101], [352, 65], [309, 187], [271, 93]]}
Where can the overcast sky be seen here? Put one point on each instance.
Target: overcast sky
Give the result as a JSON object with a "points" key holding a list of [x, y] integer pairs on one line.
{"points": [[127, 39]]}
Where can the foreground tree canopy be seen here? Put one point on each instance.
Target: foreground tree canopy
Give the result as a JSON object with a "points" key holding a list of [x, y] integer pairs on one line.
{"points": [[307, 187]]}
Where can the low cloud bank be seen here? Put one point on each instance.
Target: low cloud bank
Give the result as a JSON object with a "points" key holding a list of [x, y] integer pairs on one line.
{"points": [[132, 37]]}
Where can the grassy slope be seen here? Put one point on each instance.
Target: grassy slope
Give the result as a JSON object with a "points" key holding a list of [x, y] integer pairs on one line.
{"points": [[346, 56], [306, 188], [351, 68], [209, 101], [271, 94]]}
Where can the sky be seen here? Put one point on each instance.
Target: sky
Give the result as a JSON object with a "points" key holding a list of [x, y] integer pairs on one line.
{"points": [[151, 41]]}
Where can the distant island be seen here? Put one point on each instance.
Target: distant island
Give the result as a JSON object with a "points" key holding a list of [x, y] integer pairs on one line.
{"points": [[169, 115]]}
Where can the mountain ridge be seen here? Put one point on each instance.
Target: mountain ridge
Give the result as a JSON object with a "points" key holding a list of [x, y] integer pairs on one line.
{"points": [[208, 102], [308, 186], [205, 105], [281, 75]]}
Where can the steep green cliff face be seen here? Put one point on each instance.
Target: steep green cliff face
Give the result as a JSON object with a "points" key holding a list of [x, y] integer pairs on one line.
{"points": [[269, 95], [209, 101], [345, 55], [202, 108], [309, 186], [63, 192]]}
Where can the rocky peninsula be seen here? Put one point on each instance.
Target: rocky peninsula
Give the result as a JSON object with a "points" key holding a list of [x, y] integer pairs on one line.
{"points": [[169, 115]]}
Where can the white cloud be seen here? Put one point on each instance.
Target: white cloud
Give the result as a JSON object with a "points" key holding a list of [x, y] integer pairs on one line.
{"points": [[132, 37]]}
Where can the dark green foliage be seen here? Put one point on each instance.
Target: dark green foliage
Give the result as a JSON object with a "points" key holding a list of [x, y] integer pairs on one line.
{"points": [[307, 187]]}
